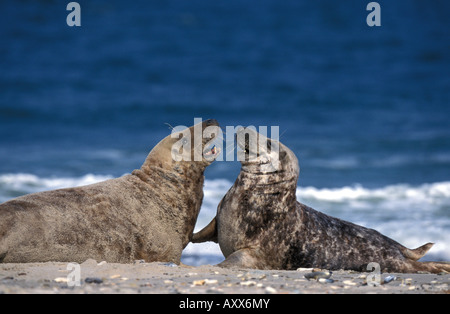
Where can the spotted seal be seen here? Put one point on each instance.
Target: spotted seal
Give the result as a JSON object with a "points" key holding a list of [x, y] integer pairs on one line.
{"points": [[149, 214], [260, 224]]}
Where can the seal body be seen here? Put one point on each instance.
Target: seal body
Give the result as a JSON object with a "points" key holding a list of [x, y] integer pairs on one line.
{"points": [[149, 214], [260, 224]]}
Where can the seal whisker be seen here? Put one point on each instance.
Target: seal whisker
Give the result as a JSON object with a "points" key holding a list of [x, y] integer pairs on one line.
{"points": [[170, 126]]}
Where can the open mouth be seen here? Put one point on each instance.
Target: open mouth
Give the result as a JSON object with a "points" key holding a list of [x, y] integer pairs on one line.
{"points": [[214, 151]]}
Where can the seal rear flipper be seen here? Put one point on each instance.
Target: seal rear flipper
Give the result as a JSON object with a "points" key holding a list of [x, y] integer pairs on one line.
{"points": [[440, 266], [434, 267], [209, 233], [418, 253]]}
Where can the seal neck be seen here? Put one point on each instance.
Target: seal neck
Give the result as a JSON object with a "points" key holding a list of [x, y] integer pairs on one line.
{"points": [[175, 173], [179, 194], [280, 183], [263, 179]]}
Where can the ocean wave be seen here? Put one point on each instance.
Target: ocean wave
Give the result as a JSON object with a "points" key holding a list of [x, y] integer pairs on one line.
{"points": [[430, 192], [424, 193], [411, 215], [17, 184], [391, 161]]}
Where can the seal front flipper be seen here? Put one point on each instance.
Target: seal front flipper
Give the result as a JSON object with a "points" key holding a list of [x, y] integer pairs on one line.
{"points": [[209, 233], [244, 258]]}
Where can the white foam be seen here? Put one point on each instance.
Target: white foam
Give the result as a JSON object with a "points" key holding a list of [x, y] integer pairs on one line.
{"points": [[13, 185], [411, 215], [424, 193]]}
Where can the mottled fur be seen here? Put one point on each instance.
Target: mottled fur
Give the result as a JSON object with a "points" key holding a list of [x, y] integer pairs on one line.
{"points": [[149, 214], [260, 224]]}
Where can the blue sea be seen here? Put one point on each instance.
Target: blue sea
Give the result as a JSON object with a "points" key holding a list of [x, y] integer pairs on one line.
{"points": [[365, 109]]}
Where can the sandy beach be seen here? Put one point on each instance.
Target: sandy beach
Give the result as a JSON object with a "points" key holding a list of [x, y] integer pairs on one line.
{"points": [[166, 278]]}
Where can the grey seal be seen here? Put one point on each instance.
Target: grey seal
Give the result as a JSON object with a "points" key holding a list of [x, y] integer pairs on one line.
{"points": [[260, 224], [149, 214]]}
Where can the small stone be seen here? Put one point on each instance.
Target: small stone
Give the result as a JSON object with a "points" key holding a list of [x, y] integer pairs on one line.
{"points": [[325, 280], [199, 282], [318, 274], [388, 279], [408, 281], [93, 280], [139, 261], [271, 290], [61, 280], [170, 264], [89, 263], [248, 283], [146, 284], [349, 283]]}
